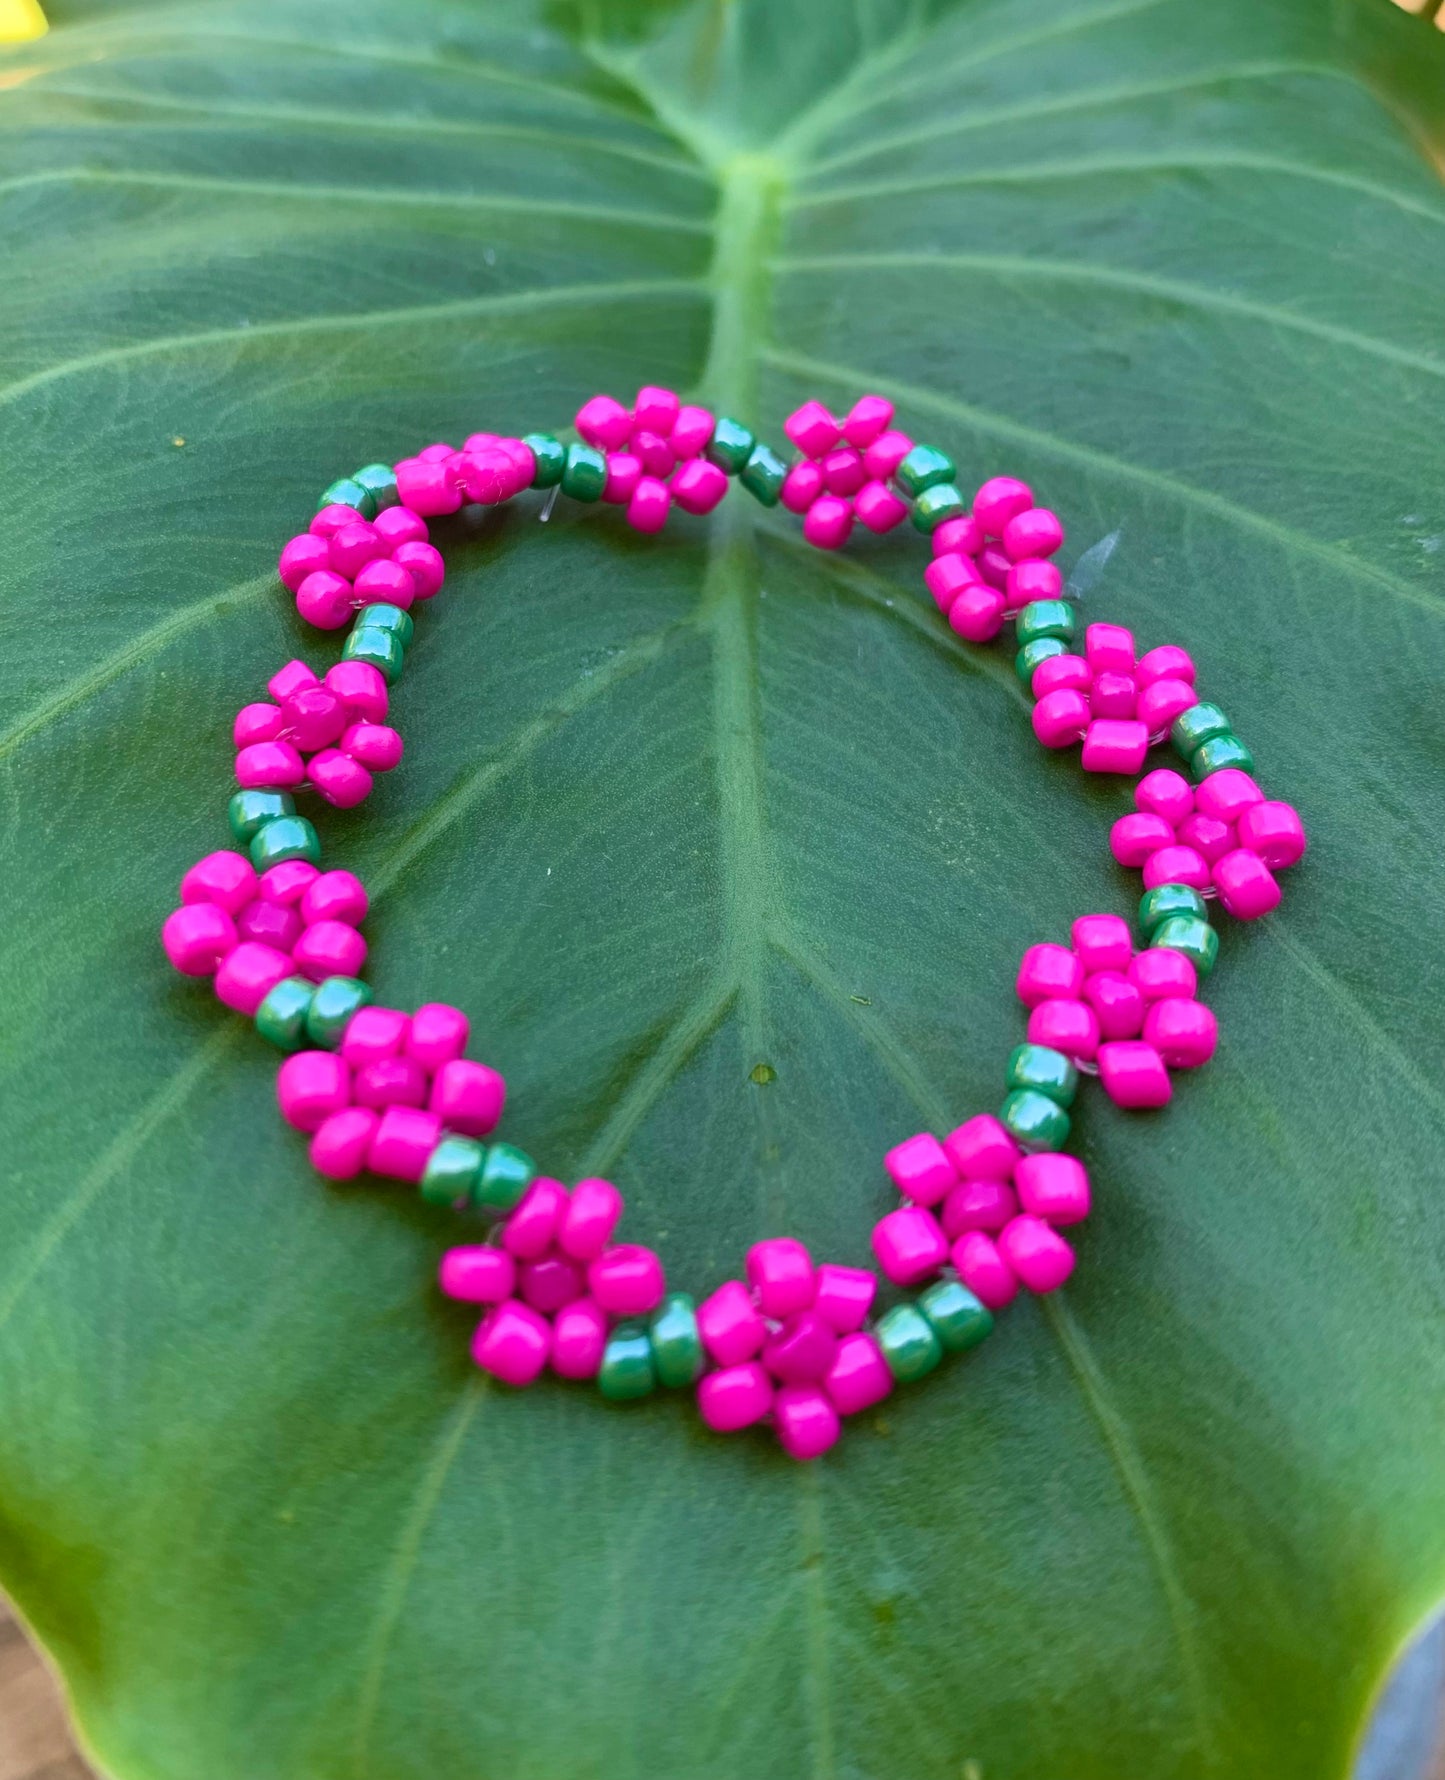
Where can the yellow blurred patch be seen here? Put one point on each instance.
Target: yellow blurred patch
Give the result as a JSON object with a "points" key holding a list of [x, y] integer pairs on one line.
{"points": [[20, 20]]}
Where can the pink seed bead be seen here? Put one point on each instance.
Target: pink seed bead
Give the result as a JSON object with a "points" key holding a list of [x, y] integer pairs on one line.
{"points": [[405, 1137], [390, 1081], [1133, 839], [1053, 1186], [592, 1214], [868, 419], [1112, 695], [1274, 831], [962, 536], [909, 1244], [550, 1282], [1038, 1255], [361, 688], [1161, 702], [467, 1096], [372, 1034], [288, 882], [1061, 673], [812, 429], [780, 1271], [226, 879], [860, 1376], [1049, 973], [385, 583], [604, 422], [335, 896], [1168, 663], [624, 473], [994, 566], [513, 1343], [353, 547], [340, 1143], [429, 487], [1176, 865], [981, 1149], [1133, 1074], [885, 454], [920, 1169], [302, 556], [272, 923], [626, 1280], [734, 1398], [699, 485], [477, 1274], [331, 519], [248, 974], [977, 614], [878, 507], [437, 453], [340, 780], [1228, 794], [579, 1338], [1117, 1004], [983, 1269], [1068, 1026], [1001, 499], [256, 723], [488, 475], [1160, 971], [438, 1033], [269, 765], [801, 486], [1026, 581], [1037, 532], [802, 1350], [423, 562], [806, 1421], [843, 472], [657, 457], [1109, 648], [691, 430], [1246, 885], [377, 746], [197, 937], [1184, 1033], [312, 718], [532, 1226], [1060, 718], [1210, 838], [979, 1204], [326, 600], [399, 525], [656, 409], [844, 1296], [329, 949], [828, 523], [730, 1325], [1102, 942], [650, 504], [310, 1086], [1115, 745], [1165, 793]]}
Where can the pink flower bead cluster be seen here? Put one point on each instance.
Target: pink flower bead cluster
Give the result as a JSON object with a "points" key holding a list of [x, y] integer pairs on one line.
{"points": [[992, 561], [249, 930], [489, 468], [974, 1201], [845, 471], [1132, 1016], [1116, 705], [1222, 837], [323, 733], [654, 453], [343, 562]]}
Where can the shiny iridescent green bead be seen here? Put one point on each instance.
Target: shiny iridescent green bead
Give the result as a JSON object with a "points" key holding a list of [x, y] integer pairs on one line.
{"points": [[1029, 657], [281, 1017], [1220, 752], [934, 505], [627, 1371], [1196, 939], [392, 619], [676, 1345], [551, 456], [287, 837], [349, 493], [1036, 1121], [730, 446], [1046, 618], [452, 1171], [506, 1175], [584, 475], [1044, 1069], [1167, 900], [250, 811], [957, 1318], [909, 1343], [336, 999], [1191, 729], [379, 481], [924, 467], [763, 475], [381, 648]]}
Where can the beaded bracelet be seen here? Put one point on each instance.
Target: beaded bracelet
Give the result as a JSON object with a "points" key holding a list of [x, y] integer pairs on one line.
{"points": [[795, 1345]]}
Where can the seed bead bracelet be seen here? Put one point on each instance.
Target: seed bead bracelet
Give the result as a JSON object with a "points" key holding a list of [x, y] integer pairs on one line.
{"points": [[791, 1344]]}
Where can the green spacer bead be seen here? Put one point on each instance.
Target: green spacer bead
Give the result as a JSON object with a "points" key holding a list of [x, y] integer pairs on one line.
{"points": [[1165, 900], [349, 493], [909, 1342], [281, 1017], [1191, 729], [1044, 1069], [934, 505], [336, 999], [388, 618], [924, 467], [1046, 618], [1029, 657], [287, 837], [584, 475], [730, 446], [676, 1344], [1224, 750], [551, 456], [250, 811], [763, 475], [452, 1169], [380, 647], [506, 1175], [379, 481], [627, 1371], [1196, 939], [1036, 1121], [959, 1320]]}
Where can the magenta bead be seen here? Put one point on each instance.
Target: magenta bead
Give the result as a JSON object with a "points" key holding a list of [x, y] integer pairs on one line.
{"points": [[312, 718], [330, 520], [390, 1081], [812, 429], [730, 1325], [437, 453], [1024, 582], [1053, 1186], [269, 766], [1210, 838], [335, 896], [1060, 718], [859, 1377], [329, 949], [1001, 499], [1102, 942], [1068, 1026], [592, 1214], [326, 600], [1037, 1255], [734, 1398], [1049, 973], [340, 1143], [1246, 885], [658, 458], [1160, 971], [428, 486], [1166, 794], [962, 536], [805, 1420], [385, 583], [438, 1034], [226, 879], [1036, 532], [1061, 673], [373, 1033], [1115, 745], [360, 687], [550, 1282], [376, 745], [1226, 795], [532, 1225], [1109, 649], [626, 1280], [948, 576], [1112, 695], [271, 923], [604, 422], [802, 1350], [490, 476], [844, 1296], [197, 936], [1184, 1033], [579, 1339], [340, 780], [1133, 1074], [1117, 1003], [624, 473], [868, 419], [399, 525], [982, 1149], [1159, 703], [1167, 663], [650, 504], [691, 430], [513, 1343], [876, 505], [256, 723], [288, 882], [1132, 839], [977, 614], [920, 1169], [995, 568], [302, 556], [477, 1274], [843, 472], [656, 409], [780, 1271], [466, 1096], [351, 548], [248, 974], [699, 485], [910, 1245], [310, 1086], [828, 522], [978, 1263], [1176, 865], [423, 562], [978, 1205], [405, 1137], [801, 486], [1273, 831]]}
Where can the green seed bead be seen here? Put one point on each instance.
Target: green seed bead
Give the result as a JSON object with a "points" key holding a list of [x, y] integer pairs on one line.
{"points": [[349, 493], [1222, 751], [1029, 657], [336, 999], [250, 811], [909, 1342], [730, 446], [506, 1175], [281, 1017], [452, 1171], [1191, 729], [379, 481], [551, 456], [388, 618], [676, 1344], [1044, 1069], [763, 475], [1046, 618], [627, 1370], [379, 647], [1196, 939], [924, 467], [1167, 900], [584, 475], [1037, 1122], [934, 505], [288, 837], [959, 1320]]}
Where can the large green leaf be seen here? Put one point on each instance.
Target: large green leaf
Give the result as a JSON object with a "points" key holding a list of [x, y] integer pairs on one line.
{"points": [[675, 808]]}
